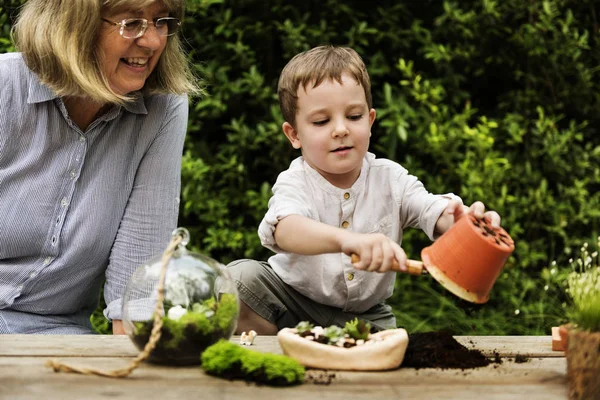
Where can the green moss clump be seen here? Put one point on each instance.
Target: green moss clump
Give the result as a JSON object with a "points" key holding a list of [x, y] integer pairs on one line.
{"points": [[230, 361]]}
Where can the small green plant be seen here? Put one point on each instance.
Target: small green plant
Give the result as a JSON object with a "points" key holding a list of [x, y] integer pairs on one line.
{"points": [[304, 328], [357, 329], [583, 288], [333, 334]]}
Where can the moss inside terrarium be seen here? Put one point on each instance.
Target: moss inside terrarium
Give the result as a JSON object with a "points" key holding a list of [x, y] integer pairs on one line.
{"points": [[183, 340]]}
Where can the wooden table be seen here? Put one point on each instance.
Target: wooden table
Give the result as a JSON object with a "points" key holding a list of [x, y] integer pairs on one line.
{"points": [[24, 376]]}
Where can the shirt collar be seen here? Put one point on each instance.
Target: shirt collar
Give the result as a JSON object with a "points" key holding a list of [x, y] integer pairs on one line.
{"points": [[38, 92], [329, 188]]}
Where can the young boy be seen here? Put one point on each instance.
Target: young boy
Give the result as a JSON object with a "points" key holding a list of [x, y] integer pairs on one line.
{"points": [[335, 200]]}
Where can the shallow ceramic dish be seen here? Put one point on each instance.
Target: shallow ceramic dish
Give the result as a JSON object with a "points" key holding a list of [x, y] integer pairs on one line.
{"points": [[383, 354]]}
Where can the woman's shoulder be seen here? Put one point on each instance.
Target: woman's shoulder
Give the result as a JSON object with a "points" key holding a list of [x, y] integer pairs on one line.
{"points": [[12, 65], [6, 58], [14, 77]]}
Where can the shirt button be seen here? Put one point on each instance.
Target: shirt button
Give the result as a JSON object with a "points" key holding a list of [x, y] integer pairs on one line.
{"points": [[350, 276], [64, 202], [47, 260], [81, 139], [345, 224], [73, 173], [346, 195], [32, 274], [19, 287]]}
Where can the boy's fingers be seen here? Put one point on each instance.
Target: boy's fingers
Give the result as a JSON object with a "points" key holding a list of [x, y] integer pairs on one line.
{"points": [[376, 259], [456, 208], [477, 209], [401, 258], [493, 218], [452, 206], [361, 262], [388, 257]]}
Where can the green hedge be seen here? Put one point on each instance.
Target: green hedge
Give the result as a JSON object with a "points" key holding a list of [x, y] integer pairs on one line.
{"points": [[494, 101]]}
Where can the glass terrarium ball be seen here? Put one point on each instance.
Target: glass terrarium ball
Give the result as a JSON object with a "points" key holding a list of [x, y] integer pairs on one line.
{"points": [[200, 305]]}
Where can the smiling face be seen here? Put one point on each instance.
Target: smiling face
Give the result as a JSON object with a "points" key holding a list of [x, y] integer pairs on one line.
{"points": [[333, 128], [127, 63]]}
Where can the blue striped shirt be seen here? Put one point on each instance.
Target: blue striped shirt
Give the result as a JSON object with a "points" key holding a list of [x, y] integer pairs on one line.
{"points": [[80, 207]]}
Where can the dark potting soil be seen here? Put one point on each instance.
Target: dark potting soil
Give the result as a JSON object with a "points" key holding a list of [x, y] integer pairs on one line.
{"points": [[319, 377], [441, 350], [520, 358], [186, 352]]}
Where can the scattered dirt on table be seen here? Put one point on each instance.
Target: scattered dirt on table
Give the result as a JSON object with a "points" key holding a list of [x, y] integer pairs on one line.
{"points": [[520, 358], [319, 377], [497, 358], [441, 350]]}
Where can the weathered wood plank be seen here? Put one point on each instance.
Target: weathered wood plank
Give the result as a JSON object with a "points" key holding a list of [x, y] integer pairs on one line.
{"points": [[28, 378], [534, 370], [67, 346], [121, 346], [161, 390], [93, 345]]}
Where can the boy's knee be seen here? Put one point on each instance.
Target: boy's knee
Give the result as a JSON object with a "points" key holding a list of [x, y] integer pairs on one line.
{"points": [[245, 270]]}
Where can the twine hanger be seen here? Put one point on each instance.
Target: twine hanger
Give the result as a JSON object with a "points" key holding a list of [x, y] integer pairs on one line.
{"points": [[58, 366]]}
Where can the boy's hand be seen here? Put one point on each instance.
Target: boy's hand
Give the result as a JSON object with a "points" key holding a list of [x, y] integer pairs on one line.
{"points": [[455, 209], [377, 252]]}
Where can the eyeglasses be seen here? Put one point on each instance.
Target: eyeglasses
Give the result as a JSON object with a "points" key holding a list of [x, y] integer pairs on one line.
{"points": [[134, 28]]}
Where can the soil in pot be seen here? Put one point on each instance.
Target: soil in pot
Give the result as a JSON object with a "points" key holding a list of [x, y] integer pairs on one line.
{"points": [[441, 350]]}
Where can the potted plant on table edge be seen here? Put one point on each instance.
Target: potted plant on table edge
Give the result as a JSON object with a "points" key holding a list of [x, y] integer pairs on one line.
{"points": [[581, 335]]}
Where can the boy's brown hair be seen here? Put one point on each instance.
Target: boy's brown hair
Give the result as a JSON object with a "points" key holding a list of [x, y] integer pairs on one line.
{"points": [[313, 67]]}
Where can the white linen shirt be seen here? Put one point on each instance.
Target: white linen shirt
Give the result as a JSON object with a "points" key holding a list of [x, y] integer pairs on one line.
{"points": [[384, 199]]}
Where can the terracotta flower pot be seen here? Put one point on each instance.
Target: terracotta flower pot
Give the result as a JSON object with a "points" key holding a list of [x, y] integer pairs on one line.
{"points": [[563, 331], [583, 364], [468, 258]]}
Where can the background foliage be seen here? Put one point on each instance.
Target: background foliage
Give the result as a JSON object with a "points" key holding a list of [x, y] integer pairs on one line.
{"points": [[492, 100]]}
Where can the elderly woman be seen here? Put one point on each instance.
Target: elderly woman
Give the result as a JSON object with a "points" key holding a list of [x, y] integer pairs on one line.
{"points": [[92, 123]]}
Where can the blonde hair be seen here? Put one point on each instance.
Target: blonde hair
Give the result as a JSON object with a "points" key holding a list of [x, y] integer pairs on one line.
{"points": [[314, 66], [58, 42]]}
